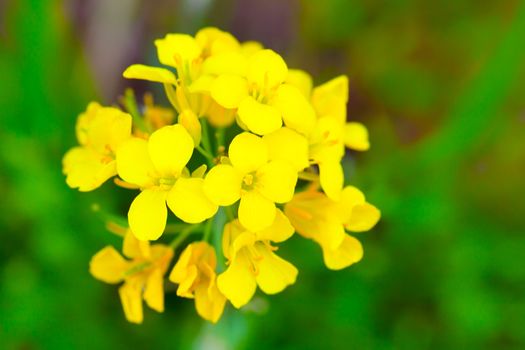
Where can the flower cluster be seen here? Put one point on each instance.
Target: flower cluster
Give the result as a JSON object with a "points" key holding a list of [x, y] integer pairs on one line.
{"points": [[249, 153]]}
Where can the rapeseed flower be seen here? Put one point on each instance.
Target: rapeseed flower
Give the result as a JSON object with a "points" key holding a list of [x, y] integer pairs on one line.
{"points": [[157, 167], [252, 261], [100, 132], [317, 217], [195, 274], [251, 176], [143, 274]]}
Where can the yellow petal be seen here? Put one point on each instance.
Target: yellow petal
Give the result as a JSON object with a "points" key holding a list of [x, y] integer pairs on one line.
{"points": [[202, 84], [301, 80], [276, 181], [287, 145], [349, 252], [229, 90], [133, 162], [191, 123], [259, 118], [155, 74], [237, 283], [275, 273], [337, 87], [133, 248], [131, 299], [87, 170], [247, 152], [148, 214], [249, 48], [266, 69], [179, 272], [222, 185], [215, 41], [364, 217], [187, 201], [170, 149], [356, 136], [218, 116], [108, 265], [279, 231], [154, 291], [297, 113], [225, 63], [107, 129], [177, 47], [255, 211], [209, 302], [332, 178]]}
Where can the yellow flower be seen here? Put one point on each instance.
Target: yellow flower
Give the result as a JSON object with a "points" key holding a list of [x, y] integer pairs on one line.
{"points": [[157, 166], [100, 131], [252, 262], [254, 178], [262, 99], [331, 133], [195, 274], [143, 275], [324, 220]]}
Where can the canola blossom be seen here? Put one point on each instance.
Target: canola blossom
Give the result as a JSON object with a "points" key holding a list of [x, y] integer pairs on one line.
{"points": [[248, 153]]}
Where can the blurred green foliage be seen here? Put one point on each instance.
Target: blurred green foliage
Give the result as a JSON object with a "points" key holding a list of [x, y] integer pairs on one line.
{"points": [[440, 86]]}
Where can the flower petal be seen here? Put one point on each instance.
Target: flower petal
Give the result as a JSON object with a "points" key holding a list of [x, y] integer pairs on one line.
{"points": [[276, 181], [237, 283], [86, 170], [259, 118], [131, 299], [280, 230], [297, 112], [222, 185], [108, 265], [364, 217], [187, 201], [229, 90], [155, 74], [175, 47], [349, 252], [147, 214], [225, 63], [332, 178], [209, 302], [301, 80], [266, 69], [255, 211], [356, 136], [133, 248], [247, 152], [170, 149], [133, 162], [288, 145], [154, 291], [275, 273]]}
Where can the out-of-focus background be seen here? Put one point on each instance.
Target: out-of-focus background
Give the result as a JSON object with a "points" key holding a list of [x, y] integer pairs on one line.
{"points": [[440, 86]]}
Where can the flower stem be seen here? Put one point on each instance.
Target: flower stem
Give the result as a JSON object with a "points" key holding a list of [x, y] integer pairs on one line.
{"points": [[183, 235], [207, 230], [130, 103], [206, 154]]}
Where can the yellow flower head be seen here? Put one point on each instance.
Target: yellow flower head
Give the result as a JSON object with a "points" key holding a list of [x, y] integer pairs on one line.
{"points": [[100, 132], [157, 166], [194, 272], [143, 274], [258, 181], [252, 261], [324, 220], [262, 99]]}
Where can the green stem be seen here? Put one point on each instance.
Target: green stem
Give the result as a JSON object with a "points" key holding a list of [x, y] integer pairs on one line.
{"points": [[183, 235], [220, 137], [207, 230], [205, 139], [131, 106], [229, 213], [206, 154]]}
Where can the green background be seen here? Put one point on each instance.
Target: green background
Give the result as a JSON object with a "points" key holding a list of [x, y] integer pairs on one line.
{"points": [[440, 86]]}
